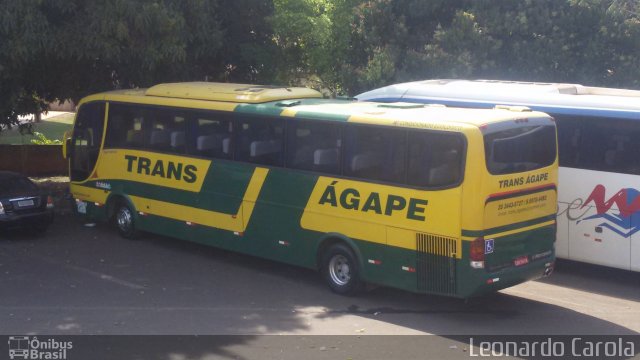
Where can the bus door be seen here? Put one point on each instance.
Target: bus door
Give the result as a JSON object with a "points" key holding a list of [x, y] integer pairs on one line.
{"points": [[86, 140]]}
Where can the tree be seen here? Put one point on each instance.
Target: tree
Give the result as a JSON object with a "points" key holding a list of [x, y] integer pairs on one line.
{"points": [[347, 46], [249, 53], [60, 49], [579, 41]]}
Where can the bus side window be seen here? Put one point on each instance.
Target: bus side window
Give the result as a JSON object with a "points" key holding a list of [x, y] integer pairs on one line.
{"points": [[260, 141], [570, 138], [167, 132], [619, 151], [135, 136], [592, 147], [313, 146], [601, 144], [126, 127], [434, 159], [375, 153], [212, 136]]}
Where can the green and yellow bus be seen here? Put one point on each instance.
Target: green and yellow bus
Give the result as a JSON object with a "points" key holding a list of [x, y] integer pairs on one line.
{"points": [[430, 199]]}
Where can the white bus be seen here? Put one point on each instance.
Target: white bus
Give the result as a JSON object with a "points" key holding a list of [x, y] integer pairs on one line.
{"points": [[599, 149]]}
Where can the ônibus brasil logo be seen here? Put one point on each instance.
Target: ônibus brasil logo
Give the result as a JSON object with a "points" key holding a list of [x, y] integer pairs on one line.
{"points": [[627, 201], [32, 348]]}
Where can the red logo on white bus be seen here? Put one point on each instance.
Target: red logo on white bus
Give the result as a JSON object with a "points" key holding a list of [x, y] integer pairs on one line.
{"points": [[624, 220]]}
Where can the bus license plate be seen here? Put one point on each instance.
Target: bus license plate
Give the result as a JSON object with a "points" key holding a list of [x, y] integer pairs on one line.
{"points": [[25, 203], [82, 207], [522, 260]]}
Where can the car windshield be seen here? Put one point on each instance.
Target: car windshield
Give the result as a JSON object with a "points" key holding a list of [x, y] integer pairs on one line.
{"points": [[15, 185]]}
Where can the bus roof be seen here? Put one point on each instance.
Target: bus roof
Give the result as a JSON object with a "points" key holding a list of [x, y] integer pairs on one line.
{"points": [[224, 92], [239, 93], [549, 97], [409, 114], [307, 103]]}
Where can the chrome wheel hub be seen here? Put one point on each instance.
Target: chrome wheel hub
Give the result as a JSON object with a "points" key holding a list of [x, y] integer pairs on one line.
{"points": [[124, 219], [339, 270]]}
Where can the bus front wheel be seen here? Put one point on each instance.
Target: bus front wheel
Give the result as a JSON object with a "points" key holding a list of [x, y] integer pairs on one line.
{"points": [[125, 221], [340, 270]]}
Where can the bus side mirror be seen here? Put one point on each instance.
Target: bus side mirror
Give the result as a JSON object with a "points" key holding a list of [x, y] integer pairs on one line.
{"points": [[66, 144]]}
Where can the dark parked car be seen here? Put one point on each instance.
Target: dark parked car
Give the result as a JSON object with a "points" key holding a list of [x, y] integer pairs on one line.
{"points": [[23, 204]]}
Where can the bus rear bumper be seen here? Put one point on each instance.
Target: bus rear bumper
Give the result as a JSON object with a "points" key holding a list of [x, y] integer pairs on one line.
{"points": [[486, 282]]}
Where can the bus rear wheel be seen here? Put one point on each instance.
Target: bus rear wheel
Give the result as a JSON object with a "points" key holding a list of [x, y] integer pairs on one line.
{"points": [[340, 270], [125, 221]]}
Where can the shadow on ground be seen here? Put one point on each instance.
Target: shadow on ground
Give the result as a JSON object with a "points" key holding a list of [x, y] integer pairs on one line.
{"points": [[82, 280]]}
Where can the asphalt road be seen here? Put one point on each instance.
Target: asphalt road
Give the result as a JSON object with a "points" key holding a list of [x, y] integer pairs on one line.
{"points": [[82, 280]]}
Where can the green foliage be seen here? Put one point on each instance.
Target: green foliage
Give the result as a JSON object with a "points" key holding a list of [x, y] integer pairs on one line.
{"points": [[377, 42], [347, 46], [248, 53], [587, 41], [41, 139], [61, 49]]}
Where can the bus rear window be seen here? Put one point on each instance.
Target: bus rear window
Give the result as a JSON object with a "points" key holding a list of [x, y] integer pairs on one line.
{"points": [[520, 149]]}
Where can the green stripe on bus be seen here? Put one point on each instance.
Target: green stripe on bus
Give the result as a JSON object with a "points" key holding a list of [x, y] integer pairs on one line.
{"points": [[275, 108], [496, 230], [259, 109], [222, 189], [320, 116]]}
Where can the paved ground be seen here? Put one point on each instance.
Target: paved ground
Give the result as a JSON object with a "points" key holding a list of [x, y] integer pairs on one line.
{"points": [[80, 280]]}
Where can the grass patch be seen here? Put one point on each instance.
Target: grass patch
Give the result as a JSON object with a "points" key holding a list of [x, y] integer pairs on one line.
{"points": [[53, 128]]}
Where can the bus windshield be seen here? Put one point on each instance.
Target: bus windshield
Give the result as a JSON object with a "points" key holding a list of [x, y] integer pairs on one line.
{"points": [[520, 149]]}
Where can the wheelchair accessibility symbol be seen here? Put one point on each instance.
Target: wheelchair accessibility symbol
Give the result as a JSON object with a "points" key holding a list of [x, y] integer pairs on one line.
{"points": [[488, 246]]}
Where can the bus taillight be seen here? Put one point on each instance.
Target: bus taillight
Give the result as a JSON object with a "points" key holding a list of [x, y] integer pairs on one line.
{"points": [[49, 202], [476, 253]]}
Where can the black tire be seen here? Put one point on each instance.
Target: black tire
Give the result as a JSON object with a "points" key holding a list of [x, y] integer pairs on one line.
{"points": [[125, 221], [340, 269]]}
